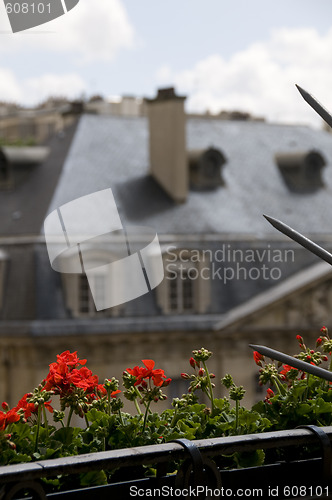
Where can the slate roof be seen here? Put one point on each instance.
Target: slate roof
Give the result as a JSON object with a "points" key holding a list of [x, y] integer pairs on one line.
{"points": [[110, 151], [23, 208], [30, 199]]}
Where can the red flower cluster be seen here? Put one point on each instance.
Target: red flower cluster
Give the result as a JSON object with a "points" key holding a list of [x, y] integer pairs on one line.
{"points": [[140, 373], [83, 379], [8, 418], [67, 372], [23, 408]]}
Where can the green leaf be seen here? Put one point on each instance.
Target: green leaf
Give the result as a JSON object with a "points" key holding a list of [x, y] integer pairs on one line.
{"points": [[222, 404], [66, 434], [249, 458], [93, 478], [95, 415], [303, 409], [189, 431], [322, 406]]}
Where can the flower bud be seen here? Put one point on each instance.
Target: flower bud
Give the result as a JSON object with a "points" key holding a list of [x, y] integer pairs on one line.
{"points": [[5, 406], [185, 376], [192, 362], [324, 330], [227, 381], [258, 358], [201, 372], [269, 393]]}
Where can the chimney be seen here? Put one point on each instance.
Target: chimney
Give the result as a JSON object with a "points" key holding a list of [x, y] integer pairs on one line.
{"points": [[168, 157]]}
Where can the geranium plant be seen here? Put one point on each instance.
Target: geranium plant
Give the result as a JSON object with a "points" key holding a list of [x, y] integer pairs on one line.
{"points": [[40, 425]]}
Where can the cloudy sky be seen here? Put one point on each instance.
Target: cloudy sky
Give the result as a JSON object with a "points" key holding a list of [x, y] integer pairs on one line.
{"points": [[244, 55]]}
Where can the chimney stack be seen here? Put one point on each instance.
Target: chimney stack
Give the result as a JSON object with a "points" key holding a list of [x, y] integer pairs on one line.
{"points": [[168, 158]]}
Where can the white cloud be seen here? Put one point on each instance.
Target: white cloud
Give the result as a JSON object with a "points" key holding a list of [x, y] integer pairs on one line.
{"points": [[38, 89], [9, 87], [261, 78], [93, 30], [32, 91]]}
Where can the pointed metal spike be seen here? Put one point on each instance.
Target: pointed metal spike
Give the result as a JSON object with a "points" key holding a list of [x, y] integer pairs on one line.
{"points": [[312, 101], [294, 362], [299, 238]]}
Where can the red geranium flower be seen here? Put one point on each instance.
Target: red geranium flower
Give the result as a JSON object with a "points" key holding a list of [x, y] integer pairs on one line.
{"points": [[29, 408], [286, 369], [8, 418], [157, 376], [60, 376], [114, 393], [258, 357], [70, 359], [57, 378], [83, 379]]}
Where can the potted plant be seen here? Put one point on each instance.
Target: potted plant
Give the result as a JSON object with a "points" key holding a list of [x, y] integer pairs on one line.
{"points": [[191, 447]]}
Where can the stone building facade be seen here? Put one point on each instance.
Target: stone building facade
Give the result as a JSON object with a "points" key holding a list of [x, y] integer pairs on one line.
{"points": [[230, 278]]}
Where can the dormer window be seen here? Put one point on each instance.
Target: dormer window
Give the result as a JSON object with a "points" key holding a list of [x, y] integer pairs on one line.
{"points": [[17, 161], [205, 168], [301, 171]]}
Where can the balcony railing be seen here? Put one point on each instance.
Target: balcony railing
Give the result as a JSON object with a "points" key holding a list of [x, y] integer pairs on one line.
{"points": [[199, 474]]}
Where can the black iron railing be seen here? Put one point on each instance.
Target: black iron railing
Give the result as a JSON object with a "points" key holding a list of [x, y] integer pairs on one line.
{"points": [[199, 474]]}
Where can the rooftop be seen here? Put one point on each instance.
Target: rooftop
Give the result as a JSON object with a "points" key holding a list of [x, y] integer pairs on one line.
{"points": [[110, 151]]}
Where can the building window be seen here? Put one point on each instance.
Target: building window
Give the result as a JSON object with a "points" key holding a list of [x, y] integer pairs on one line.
{"points": [[186, 285], [3, 267], [79, 299], [85, 301], [181, 290]]}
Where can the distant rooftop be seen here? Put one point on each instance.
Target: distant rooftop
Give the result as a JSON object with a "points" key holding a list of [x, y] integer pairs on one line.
{"points": [[110, 151]]}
